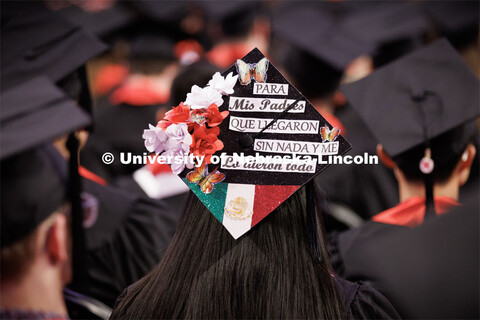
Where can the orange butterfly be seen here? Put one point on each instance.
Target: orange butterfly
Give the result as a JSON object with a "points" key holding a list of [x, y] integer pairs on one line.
{"points": [[206, 181], [249, 71], [329, 135]]}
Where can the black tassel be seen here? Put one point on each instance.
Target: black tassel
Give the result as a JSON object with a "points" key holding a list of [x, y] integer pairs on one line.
{"points": [[313, 237], [74, 190]]}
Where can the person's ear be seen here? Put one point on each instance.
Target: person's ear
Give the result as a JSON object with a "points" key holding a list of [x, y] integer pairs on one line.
{"points": [[57, 240], [465, 164], [384, 157]]}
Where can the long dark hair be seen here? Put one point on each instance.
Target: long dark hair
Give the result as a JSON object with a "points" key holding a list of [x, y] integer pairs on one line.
{"points": [[267, 273]]}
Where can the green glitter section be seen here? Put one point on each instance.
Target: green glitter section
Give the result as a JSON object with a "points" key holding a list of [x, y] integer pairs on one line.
{"points": [[215, 200]]}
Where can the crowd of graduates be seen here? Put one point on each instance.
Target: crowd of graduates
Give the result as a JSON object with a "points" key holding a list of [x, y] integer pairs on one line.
{"points": [[83, 238]]}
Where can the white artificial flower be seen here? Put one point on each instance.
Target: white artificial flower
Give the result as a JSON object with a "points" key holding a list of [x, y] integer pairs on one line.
{"points": [[178, 137], [178, 147], [155, 139], [202, 98], [223, 85]]}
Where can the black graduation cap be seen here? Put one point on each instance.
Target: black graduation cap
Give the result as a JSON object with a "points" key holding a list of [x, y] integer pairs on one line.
{"points": [[31, 191], [458, 21], [104, 23], [392, 28], [34, 113], [385, 22], [220, 11], [316, 32], [416, 99], [165, 12], [252, 109], [152, 46], [38, 41]]}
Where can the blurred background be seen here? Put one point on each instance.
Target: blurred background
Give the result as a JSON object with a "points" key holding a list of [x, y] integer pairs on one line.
{"points": [[159, 49]]}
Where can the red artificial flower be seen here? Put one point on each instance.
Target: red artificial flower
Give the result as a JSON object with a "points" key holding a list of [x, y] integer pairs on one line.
{"points": [[163, 124], [180, 114], [214, 117], [205, 142], [211, 115]]}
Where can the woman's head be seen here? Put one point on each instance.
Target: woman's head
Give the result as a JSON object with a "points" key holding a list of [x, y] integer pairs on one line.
{"points": [[268, 272]]}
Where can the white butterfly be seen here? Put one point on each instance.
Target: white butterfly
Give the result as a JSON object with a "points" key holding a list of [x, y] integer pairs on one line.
{"points": [[249, 71]]}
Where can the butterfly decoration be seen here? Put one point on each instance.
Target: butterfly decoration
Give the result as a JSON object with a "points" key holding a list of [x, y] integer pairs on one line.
{"points": [[206, 181], [329, 134], [249, 71]]}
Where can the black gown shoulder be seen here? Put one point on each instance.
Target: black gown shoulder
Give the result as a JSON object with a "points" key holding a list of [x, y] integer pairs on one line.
{"points": [[346, 247], [128, 239], [364, 302]]}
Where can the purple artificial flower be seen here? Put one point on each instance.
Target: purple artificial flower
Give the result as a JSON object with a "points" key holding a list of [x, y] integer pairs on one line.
{"points": [[155, 139]]}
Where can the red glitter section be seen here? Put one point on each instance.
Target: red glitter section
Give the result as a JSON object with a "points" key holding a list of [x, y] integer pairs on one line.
{"points": [[267, 198]]}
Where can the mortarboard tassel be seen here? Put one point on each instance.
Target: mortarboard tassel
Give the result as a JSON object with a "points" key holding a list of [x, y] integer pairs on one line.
{"points": [[74, 189], [85, 98], [426, 164], [313, 237]]}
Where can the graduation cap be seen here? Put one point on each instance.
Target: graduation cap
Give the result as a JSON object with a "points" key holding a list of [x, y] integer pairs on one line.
{"points": [[31, 192], [32, 115], [252, 109], [152, 46], [317, 32], [235, 17], [393, 28], [416, 99], [36, 41], [458, 21], [105, 23], [313, 49], [165, 12]]}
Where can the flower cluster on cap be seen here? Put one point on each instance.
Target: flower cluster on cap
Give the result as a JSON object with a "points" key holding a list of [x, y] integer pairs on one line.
{"points": [[192, 126]]}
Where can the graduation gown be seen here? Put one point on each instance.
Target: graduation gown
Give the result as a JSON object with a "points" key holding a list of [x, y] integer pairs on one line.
{"points": [[346, 184], [430, 271], [128, 238]]}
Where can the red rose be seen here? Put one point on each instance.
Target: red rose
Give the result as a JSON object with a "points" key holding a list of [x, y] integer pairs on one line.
{"points": [[205, 142], [163, 124], [214, 117], [180, 114]]}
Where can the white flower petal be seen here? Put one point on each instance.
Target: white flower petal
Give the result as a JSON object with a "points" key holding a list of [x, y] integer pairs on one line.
{"points": [[202, 98]]}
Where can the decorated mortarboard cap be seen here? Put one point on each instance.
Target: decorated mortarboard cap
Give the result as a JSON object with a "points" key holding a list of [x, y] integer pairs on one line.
{"points": [[31, 191], [252, 109], [387, 100], [35, 113], [317, 32], [36, 41]]}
